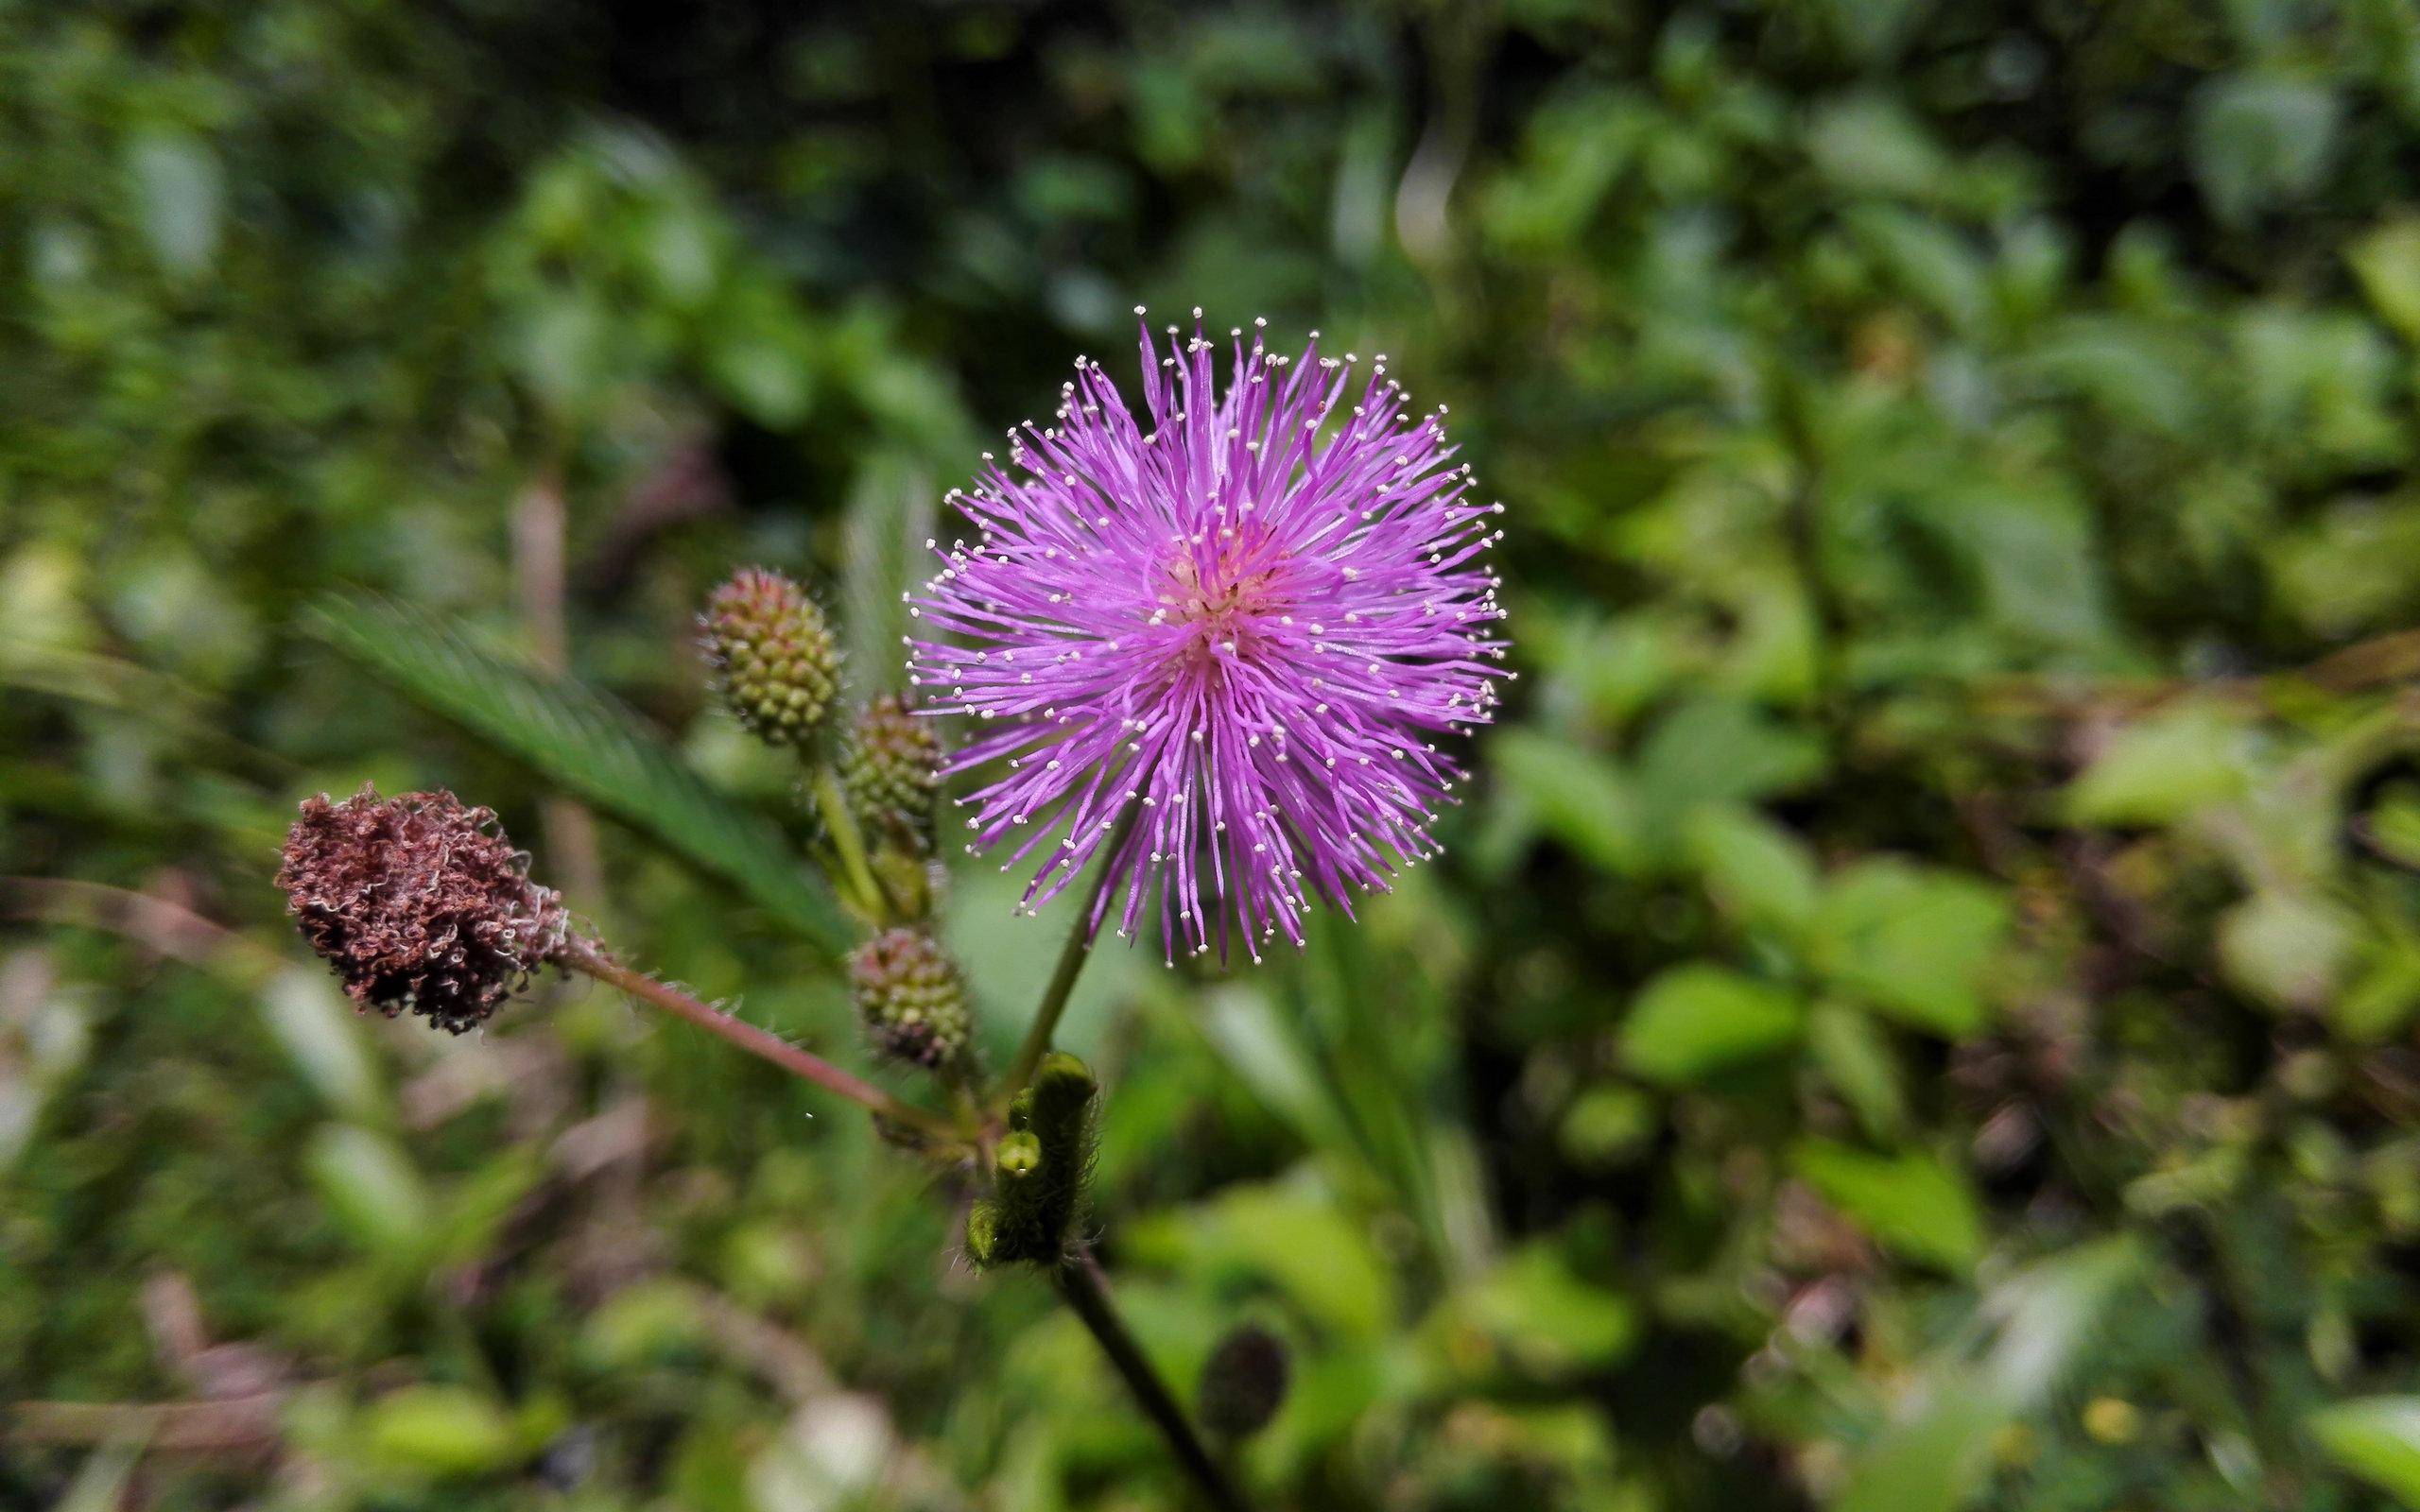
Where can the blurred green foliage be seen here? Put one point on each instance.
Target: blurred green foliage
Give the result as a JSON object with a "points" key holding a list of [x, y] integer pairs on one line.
{"points": [[1918, 1014]]}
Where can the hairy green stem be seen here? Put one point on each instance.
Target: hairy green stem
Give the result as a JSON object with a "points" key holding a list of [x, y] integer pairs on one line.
{"points": [[1079, 1281], [1072, 957], [759, 1042]]}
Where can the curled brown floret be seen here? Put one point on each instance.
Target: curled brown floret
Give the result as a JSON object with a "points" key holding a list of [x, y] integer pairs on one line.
{"points": [[418, 903]]}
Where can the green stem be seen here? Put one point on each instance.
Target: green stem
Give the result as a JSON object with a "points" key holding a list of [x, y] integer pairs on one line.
{"points": [[759, 1042], [1079, 1281], [850, 845], [1072, 957]]}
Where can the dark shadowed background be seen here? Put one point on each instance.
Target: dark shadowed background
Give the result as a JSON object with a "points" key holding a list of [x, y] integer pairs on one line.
{"points": [[1917, 1013]]}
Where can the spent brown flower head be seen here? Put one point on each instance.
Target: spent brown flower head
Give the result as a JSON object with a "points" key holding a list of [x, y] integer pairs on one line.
{"points": [[420, 902]]}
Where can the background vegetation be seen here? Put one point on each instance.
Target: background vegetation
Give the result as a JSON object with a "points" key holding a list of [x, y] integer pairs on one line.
{"points": [[1917, 1014]]}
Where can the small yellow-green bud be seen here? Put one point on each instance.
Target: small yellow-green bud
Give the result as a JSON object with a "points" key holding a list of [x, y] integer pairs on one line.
{"points": [[911, 998], [983, 1233], [773, 655], [889, 768], [1018, 1156]]}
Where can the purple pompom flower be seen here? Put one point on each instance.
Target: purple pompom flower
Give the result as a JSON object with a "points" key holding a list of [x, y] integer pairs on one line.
{"points": [[1239, 622]]}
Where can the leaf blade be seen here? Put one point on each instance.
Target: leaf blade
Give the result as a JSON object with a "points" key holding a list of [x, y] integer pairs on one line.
{"points": [[592, 745]]}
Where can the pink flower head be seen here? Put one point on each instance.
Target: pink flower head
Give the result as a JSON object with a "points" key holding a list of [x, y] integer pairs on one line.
{"points": [[1238, 622]]}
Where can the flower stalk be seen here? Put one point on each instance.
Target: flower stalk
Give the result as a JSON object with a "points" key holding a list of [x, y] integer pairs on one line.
{"points": [[1219, 642], [1078, 1280], [759, 1042], [1072, 956], [848, 845]]}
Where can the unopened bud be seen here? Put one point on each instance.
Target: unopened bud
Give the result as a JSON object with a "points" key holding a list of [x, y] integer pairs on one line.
{"points": [[983, 1234], [1243, 1382], [1042, 1168], [890, 767], [911, 998], [419, 904], [1018, 1156], [773, 655]]}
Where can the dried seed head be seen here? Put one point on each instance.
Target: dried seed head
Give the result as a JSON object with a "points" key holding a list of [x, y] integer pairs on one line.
{"points": [[773, 655], [418, 903], [911, 998], [890, 767]]}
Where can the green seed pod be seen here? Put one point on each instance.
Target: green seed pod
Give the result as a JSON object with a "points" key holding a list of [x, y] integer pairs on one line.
{"points": [[773, 655], [911, 998], [889, 768], [1243, 1382]]}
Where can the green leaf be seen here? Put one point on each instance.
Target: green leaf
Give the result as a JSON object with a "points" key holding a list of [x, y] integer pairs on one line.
{"points": [[181, 194], [1268, 1055], [1578, 796], [1291, 1238], [1854, 1053], [442, 1430], [2384, 997], [1929, 1463], [890, 517], [2387, 263], [1935, 1455], [1755, 870], [1712, 749], [1928, 261], [1870, 145], [1696, 1021], [2376, 1439], [2158, 770], [1607, 1124], [1913, 941], [2289, 949], [1546, 1316], [373, 1191], [2258, 140], [594, 746], [311, 1023], [1911, 1203], [2050, 1316]]}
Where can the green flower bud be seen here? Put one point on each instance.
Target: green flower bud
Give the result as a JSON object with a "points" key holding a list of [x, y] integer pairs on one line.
{"points": [[773, 655], [911, 998], [1018, 1156], [1243, 1382], [890, 767], [984, 1235], [1043, 1167]]}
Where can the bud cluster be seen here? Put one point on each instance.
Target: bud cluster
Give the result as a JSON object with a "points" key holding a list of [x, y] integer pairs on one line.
{"points": [[773, 654], [1041, 1169], [891, 769], [911, 998]]}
